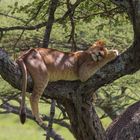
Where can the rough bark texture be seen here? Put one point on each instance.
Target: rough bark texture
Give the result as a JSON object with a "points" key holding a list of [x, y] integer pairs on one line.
{"points": [[52, 9], [127, 125], [77, 97], [84, 120]]}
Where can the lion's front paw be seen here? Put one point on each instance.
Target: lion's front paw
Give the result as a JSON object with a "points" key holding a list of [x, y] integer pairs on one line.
{"points": [[112, 54]]}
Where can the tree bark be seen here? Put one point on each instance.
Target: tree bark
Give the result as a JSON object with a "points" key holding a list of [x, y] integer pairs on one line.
{"points": [[84, 121], [127, 125], [51, 19]]}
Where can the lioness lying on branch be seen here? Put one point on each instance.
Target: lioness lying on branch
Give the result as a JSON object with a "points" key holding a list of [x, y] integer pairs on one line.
{"points": [[45, 64]]}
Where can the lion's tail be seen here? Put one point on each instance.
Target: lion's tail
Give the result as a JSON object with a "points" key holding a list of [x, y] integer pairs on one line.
{"points": [[24, 87]]}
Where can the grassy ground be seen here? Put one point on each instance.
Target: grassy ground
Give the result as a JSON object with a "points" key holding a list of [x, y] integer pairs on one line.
{"points": [[10, 128]]}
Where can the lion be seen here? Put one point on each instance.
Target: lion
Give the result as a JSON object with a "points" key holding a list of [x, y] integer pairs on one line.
{"points": [[48, 65]]}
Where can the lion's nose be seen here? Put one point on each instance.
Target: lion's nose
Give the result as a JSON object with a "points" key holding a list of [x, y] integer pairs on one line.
{"points": [[116, 52]]}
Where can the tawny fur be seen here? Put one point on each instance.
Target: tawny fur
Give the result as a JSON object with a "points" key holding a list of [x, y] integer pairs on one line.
{"points": [[44, 65]]}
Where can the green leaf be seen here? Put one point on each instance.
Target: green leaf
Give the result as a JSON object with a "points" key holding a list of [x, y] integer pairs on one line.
{"points": [[16, 4]]}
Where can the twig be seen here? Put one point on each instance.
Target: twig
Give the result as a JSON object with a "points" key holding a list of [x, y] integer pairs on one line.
{"points": [[73, 7], [72, 34], [63, 111], [52, 9], [13, 17], [32, 18], [43, 24], [52, 133], [14, 109], [52, 113], [35, 27], [8, 98]]}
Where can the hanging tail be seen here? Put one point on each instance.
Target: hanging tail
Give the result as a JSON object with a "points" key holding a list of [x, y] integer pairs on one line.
{"points": [[24, 87]]}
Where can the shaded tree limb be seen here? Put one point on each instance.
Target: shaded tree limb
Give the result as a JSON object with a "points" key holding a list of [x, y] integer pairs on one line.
{"points": [[14, 109], [72, 34], [34, 27], [52, 113], [51, 19], [127, 125], [43, 24], [13, 17]]}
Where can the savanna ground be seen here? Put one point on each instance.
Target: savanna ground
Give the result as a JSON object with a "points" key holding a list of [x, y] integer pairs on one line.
{"points": [[115, 35]]}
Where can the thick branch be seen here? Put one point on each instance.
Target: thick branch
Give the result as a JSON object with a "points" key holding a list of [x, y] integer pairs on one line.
{"points": [[43, 24], [13, 17], [84, 120], [126, 63], [133, 9], [72, 34], [14, 109], [127, 125], [34, 27], [52, 9]]}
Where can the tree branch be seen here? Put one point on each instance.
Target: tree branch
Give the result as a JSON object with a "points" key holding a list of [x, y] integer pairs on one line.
{"points": [[72, 34], [51, 19], [52, 113], [43, 24], [35, 27], [13, 17], [126, 63], [14, 109], [127, 125]]}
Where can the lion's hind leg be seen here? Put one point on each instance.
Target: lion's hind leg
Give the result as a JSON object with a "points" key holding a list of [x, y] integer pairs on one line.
{"points": [[34, 99], [39, 73]]}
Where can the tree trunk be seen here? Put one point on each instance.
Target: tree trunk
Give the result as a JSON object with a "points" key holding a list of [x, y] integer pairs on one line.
{"points": [[51, 18], [84, 120]]}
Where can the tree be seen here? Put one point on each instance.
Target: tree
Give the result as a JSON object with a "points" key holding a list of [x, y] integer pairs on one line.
{"points": [[76, 97]]}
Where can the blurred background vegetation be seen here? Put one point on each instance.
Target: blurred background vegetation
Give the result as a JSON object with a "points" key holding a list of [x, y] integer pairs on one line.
{"points": [[94, 20]]}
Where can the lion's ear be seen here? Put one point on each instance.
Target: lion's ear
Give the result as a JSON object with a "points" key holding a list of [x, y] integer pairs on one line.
{"points": [[99, 43]]}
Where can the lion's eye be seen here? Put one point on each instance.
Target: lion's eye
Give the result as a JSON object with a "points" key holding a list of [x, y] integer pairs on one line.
{"points": [[101, 53], [94, 57], [100, 56], [97, 56]]}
